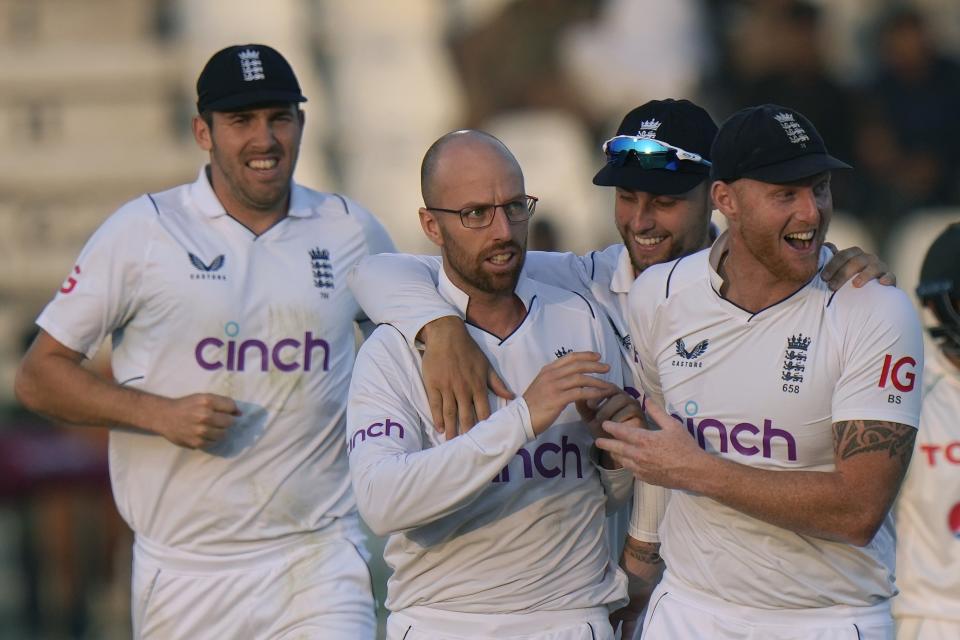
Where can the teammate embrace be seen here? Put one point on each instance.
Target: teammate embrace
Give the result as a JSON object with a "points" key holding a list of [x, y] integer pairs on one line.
{"points": [[236, 450]]}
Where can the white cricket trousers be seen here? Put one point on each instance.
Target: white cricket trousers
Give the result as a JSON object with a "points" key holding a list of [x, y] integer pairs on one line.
{"points": [[308, 589], [425, 623], [677, 612]]}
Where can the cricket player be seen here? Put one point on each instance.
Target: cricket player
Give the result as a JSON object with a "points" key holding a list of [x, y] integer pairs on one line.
{"points": [[497, 533], [233, 345], [659, 165], [928, 509], [792, 408]]}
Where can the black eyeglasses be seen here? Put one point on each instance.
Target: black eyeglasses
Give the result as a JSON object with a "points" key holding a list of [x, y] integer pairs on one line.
{"points": [[481, 215]]}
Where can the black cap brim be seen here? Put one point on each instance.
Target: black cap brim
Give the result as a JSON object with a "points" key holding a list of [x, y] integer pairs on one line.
{"points": [[796, 168], [251, 99], [658, 181]]}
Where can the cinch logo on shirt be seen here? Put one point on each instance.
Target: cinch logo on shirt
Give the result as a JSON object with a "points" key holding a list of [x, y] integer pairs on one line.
{"points": [[286, 354], [536, 463], [732, 436], [375, 430]]}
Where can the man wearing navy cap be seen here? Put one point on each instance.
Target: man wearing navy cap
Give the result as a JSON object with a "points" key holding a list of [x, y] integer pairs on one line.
{"points": [[659, 164], [790, 409], [233, 344]]}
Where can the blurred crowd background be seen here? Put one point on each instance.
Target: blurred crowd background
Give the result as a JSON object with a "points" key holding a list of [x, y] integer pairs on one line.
{"points": [[95, 109]]}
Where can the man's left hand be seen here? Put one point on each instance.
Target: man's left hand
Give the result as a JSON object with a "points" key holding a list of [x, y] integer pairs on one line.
{"points": [[855, 263]]}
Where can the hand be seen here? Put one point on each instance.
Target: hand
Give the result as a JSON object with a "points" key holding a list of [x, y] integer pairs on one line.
{"points": [[667, 458], [195, 421], [642, 563], [618, 408], [857, 264], [456, 374], [564, 381]]}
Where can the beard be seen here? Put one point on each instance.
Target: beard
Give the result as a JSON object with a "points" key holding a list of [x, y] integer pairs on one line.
{"points": [[766, 251], [470, 268]]}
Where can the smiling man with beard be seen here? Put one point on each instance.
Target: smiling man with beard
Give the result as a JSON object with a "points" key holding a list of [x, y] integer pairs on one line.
{"points": [[233, 344], [498, 533], [787, 440]]}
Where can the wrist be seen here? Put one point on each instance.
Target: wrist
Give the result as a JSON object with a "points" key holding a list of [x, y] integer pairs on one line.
{"points": [[438, 328], [146, 411]]}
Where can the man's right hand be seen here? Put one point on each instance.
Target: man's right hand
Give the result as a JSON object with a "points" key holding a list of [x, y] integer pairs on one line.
{"points": [[194, 421], [564, 381]]}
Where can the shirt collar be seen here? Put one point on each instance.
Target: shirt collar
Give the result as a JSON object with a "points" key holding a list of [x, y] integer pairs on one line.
{"points": [[623, 275], [459, 298], [209, 204]]}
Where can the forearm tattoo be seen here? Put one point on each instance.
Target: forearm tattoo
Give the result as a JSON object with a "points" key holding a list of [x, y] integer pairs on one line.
{"points": [[858, 436], [648, 556]]}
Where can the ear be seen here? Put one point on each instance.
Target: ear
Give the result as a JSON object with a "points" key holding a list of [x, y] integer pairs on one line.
{"points": [[724, 199], [202, 133], [430, 226]]}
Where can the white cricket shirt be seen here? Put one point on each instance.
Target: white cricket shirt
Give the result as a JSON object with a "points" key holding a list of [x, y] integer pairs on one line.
{"points": [[763, 389], [496, 520], [928, 509], [195, 302]]}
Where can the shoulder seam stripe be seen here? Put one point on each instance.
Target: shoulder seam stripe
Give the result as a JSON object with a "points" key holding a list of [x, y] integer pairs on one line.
{"points": [[670, 275], [153, 202], [343, 201], [593, 264], [831, 298], [589, 306]]}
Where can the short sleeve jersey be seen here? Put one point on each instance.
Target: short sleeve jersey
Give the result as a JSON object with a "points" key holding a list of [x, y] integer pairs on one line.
{"points": [[928, 509], [496, 520], [763, 389], [196, 302]]}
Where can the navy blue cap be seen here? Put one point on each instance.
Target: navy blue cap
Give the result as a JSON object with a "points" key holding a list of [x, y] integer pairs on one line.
{"points": [[771, 144], [244, 76], [680, 123]]}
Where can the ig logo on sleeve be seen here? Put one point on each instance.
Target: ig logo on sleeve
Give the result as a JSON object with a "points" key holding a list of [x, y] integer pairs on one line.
{"points": [[900, 374]]}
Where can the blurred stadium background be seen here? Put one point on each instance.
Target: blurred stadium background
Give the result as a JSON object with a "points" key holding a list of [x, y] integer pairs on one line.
{"points": [[95, 109]]}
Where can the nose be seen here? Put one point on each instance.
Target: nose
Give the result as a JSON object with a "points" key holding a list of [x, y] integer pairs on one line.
{"points": [[641, 217], [808, 208], [263, 137], [500, 228]]}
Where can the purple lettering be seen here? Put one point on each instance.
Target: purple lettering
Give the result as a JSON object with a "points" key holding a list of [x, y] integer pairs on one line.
{"points": [[353, 441], [309, 344], [567, 447], [721, 428], [390, 424], [246, 344], [370, 431], [280, 364], [740, 441], [769, 433], [527, 464], [201, 360], [734, 438], [236, 356], [538, 454]]}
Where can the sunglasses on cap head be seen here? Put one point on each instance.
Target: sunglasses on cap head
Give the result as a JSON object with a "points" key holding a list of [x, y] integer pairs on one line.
{"points": [[649, 152]]}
